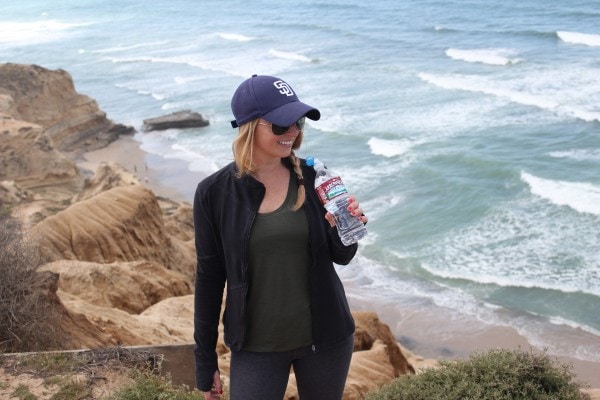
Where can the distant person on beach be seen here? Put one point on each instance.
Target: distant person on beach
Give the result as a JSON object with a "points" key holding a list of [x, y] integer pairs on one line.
{"points": [[262, 231]]}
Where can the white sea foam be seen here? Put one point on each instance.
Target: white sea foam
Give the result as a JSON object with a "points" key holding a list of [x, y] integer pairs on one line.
{"points": [[155, 95], [578, 154], [371, 285], [485, 56], [574, 325], [286, 55], [242, 65], [580, 196], [483, 85], [236, 37], [564, 92], [390, 148], [117, 49], [27, 33], [579, 38], [520, 245], [379, 206]]}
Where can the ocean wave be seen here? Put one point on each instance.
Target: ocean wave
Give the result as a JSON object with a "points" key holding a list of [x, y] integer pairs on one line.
{"points": [[579, 38], [241, 65], [575, 325], [574, 98], [154, 95], [379, 206], [117, 49], [372, 285], [481, 85], [485, 56], [580, 196], [28, 33], [577, 154], [439, 28], [236, 37], [286, 55], [390, 148], [524, 243]]}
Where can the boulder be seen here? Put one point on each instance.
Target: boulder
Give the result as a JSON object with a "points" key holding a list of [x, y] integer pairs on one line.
{"points": [[179, 120]]}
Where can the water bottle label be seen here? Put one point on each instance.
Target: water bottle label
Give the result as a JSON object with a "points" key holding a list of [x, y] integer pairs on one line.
{"points": [[331, 189]]}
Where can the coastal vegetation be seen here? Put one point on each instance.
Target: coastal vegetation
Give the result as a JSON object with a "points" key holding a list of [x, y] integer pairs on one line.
{"points": [[28, 322], [493, 375]]}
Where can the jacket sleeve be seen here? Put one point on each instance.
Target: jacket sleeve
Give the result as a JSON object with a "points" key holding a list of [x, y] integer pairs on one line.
{"points": [[208, 295], [340, 253]]}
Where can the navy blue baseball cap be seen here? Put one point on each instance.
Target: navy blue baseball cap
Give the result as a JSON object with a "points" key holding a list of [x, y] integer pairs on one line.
{"points": [[271, 98]]}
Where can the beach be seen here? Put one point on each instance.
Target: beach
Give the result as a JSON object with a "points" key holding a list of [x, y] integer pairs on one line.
{"points": [[427, 331], [168, 178]]}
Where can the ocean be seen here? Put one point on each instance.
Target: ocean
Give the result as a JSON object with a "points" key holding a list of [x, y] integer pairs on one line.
{"points": [[469, 130]]}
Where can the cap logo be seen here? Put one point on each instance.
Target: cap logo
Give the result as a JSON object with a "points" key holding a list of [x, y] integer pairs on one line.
{"points": [[284, 88]]}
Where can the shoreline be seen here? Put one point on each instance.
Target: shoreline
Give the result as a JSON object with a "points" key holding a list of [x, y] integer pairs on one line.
{"points": [[425, 332], [169, 178]]}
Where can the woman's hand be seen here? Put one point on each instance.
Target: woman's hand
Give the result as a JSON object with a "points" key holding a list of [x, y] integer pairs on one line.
{"points": [[355, 210], [217, 389]]}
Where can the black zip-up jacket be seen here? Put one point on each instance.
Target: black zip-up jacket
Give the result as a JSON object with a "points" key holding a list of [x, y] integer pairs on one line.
{"points": [[225, 207]]}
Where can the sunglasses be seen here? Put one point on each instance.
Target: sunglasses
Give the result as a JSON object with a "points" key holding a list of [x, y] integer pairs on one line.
{"points": [[280, 130]]}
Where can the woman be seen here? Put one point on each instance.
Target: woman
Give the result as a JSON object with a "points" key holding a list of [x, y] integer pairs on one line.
{"points": [[261, 229]]}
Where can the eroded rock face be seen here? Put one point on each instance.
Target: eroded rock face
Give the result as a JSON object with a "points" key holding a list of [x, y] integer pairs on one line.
{"points": [[48, 98], [122, 224], [132, 287], [28, 157], [106, 177]]}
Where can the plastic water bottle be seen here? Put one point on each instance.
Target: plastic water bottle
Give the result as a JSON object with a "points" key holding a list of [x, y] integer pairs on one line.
{"points": [[334, 196]]}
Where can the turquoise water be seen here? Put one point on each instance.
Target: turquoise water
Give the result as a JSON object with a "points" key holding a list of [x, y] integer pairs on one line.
{"points": [[469, 130]]}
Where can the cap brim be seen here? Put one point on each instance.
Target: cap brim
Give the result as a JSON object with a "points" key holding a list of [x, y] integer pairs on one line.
{"points": [[291, 112]]}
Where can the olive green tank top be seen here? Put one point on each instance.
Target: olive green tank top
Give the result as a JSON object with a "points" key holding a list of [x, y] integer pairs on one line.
{"points": [[278, 313]]}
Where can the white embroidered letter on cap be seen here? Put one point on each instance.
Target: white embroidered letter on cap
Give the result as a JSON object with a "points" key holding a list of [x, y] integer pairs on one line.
{"points": [[284, 88]]}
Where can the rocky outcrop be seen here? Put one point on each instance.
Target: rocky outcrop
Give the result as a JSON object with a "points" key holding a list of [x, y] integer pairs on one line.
{"points": [[106, 177], [179, 120], [132, 287], [48, 98], [122, 224], [30, 158], [44, 125]]}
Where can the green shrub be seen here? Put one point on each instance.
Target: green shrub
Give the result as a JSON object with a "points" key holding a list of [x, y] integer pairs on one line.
{"points": [[149, 386], [495, 375]]}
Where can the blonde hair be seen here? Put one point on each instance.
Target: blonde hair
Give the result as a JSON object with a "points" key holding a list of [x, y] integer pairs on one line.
{"points": [[242, 152]]}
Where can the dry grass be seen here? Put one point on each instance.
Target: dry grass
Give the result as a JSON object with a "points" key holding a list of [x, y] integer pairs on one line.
{"points": [[29, 319], [91, 374]]}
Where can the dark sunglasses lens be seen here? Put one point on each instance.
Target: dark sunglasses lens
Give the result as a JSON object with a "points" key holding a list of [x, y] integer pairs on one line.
{"points": [[279, 130]]}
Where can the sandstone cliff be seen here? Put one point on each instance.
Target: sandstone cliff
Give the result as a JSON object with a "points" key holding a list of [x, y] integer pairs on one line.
{"points": [[119, 260], [48, 98]]}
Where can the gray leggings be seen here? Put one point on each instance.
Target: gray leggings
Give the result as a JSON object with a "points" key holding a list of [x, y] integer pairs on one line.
{"points": [[320, 374]]}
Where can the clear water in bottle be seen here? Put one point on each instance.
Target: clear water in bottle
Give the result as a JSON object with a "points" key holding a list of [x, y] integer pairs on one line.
{"points": [[335, 198]]}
